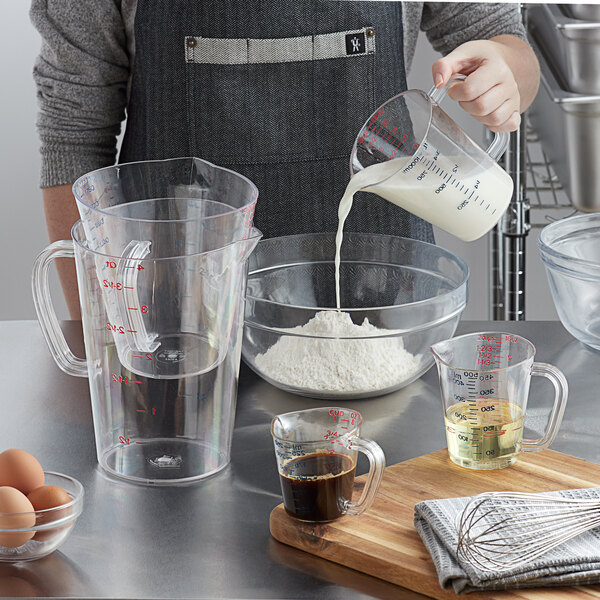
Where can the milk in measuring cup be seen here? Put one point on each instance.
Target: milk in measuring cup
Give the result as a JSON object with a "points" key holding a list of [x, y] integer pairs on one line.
{"points": [[467, 207]]}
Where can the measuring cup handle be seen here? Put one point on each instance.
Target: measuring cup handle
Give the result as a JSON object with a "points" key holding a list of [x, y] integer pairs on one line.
{"points": [[501, 139], [438, 94], [376, 466], [65, 359], [561, 392]]}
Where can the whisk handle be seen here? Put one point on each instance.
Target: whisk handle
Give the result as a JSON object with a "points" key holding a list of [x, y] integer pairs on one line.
{"points": [[561, 392]]}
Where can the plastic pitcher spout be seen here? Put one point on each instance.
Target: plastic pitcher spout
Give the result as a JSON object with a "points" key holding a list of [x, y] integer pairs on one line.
{"points": [[248, 244]]}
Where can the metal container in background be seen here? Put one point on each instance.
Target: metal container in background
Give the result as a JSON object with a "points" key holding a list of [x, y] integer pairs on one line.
{"points": [[568, 126], [572, 46], [585, 12]]}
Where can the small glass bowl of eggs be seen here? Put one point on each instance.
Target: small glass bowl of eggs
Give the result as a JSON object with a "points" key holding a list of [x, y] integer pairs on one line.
{"points": [[38, 508]]}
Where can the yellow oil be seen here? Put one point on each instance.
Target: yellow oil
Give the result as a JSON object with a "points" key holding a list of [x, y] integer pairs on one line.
{"points": [[484, 434]]}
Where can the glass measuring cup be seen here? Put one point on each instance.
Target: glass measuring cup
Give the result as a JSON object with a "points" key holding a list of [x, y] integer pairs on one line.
{"points": [[165, 416], [316, 451], [484, 380], [410, 152], [199, 205]]}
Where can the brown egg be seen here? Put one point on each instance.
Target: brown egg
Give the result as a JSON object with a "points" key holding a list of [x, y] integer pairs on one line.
{"points": [[43, 498], [16, 512], [20, 470], [48, 496]]}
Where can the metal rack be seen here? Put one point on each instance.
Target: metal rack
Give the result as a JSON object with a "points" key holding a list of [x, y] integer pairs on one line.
{"points": [[538, 198], [545, 192]]}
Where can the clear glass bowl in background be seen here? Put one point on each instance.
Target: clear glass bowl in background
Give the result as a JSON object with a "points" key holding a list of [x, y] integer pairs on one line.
{"points": [[411, 290], [52, 526], [570, 251]]}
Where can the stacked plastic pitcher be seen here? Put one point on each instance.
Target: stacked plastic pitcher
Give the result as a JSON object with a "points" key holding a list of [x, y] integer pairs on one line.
{"points": [[161, 254]]}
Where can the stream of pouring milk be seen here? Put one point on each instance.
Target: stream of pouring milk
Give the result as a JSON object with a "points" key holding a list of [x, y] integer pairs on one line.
{"points": [[466, 218]]}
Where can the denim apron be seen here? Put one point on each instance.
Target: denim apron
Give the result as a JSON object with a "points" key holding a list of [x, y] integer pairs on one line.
{"points": [[275, 90]]}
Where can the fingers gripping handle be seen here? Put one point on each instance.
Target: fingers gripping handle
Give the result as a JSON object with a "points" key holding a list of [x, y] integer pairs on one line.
{"points": [[561, 392], [438, 94], [501, 139], [62, 354], [376, 467]]}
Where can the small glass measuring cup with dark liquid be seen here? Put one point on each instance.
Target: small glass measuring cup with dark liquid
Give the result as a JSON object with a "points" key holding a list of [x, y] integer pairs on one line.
{"points": [[316, 453]]}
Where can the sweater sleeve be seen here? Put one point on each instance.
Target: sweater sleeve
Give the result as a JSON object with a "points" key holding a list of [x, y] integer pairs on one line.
{"points": [[450, 24], [81, 76]]}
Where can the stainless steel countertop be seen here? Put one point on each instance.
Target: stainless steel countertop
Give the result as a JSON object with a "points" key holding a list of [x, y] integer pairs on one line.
{"points": [[211, 540]]}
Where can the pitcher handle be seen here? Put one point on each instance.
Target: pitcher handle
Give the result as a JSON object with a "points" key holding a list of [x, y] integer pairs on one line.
{"points": [[561, 391], [376, 467], [501, 139], [62, 354]]}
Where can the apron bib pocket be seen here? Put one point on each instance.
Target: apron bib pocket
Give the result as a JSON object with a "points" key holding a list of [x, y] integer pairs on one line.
{"points": [[257, 101]]}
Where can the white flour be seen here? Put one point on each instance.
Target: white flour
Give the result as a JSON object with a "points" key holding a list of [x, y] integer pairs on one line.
{"points": [[337, 365]]}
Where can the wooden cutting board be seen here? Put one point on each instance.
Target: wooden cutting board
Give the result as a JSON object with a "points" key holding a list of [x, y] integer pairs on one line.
{"points": [[384, 543]]}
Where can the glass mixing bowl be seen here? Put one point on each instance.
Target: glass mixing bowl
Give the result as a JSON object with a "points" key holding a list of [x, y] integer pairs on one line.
{"points": [[412, 293], [52, 526], [570, 251]]}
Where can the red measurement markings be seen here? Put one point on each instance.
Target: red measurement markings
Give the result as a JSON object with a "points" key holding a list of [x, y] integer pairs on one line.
{"points": [[488, 338], [141, 410], [148, 356], [493, 434], [127, 441], [122, 379], [138, 267], [143, 308]]}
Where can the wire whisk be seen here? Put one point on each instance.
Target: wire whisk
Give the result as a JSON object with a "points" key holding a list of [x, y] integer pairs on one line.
{"points": [[498, 531]]}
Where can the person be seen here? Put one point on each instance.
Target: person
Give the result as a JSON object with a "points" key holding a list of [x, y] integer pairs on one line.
{"points": [[273, 89]]}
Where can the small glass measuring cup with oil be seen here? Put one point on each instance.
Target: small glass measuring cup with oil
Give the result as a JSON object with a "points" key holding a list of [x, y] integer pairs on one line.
{"points": [[484, 380]]}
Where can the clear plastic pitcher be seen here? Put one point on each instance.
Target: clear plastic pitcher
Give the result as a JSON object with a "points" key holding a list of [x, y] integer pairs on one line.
{"points": [[158, 210], [484, 381], [411, 153], [164, 415], [181, 205]]}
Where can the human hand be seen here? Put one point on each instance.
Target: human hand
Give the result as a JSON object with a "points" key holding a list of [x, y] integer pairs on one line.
{"points": [[490, 92]]}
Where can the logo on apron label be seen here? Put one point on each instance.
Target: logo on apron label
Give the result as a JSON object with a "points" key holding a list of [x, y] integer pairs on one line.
{"points": [[355, 43]]}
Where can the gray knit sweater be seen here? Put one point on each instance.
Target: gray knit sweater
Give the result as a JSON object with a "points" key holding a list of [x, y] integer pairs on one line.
{"points": [[88, 49]]}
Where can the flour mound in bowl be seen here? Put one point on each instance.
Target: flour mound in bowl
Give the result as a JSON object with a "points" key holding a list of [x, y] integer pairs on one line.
{"points": [[338, 365]]}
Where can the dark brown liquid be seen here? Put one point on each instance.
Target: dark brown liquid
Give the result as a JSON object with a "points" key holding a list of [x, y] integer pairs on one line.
{"points": [[316, 486]]}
